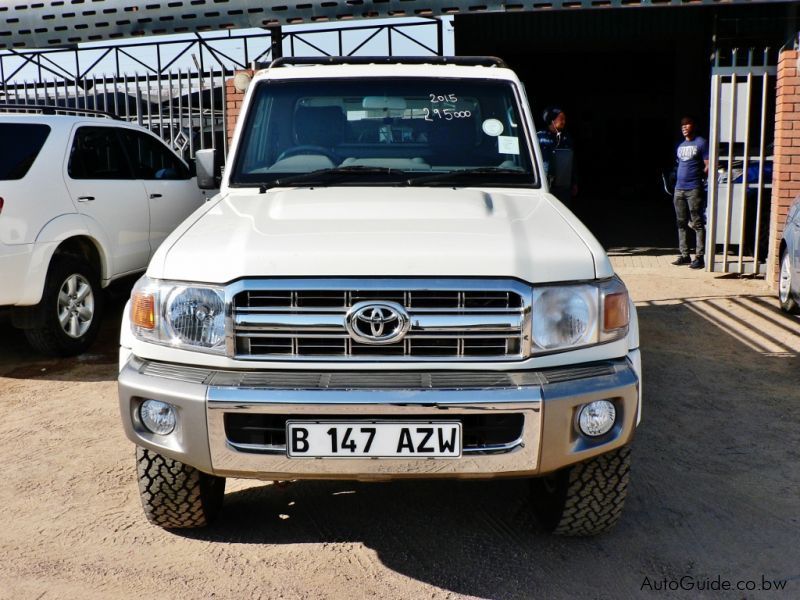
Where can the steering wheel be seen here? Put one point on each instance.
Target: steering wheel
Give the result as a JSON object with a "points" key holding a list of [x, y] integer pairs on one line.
{"points": [[308, 149]]}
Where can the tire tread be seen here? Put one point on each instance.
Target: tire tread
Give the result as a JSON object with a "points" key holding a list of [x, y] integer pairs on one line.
{"points": [[175, 495], [595, 494]]}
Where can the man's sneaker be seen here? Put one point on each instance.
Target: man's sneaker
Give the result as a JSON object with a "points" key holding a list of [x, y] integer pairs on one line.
{"points": [[682, 260], [698, 263]]}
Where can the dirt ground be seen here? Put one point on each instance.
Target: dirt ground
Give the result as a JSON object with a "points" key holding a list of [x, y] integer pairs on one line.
{"points": [[715, 492]]}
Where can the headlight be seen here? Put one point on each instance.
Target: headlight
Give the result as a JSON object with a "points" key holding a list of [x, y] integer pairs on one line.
{"points": [[564, 316], [179, 315], [571, 316], [196, 316]]}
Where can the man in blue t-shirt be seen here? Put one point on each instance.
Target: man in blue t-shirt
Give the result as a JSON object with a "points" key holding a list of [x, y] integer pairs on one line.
{"points": [[689, 196]]}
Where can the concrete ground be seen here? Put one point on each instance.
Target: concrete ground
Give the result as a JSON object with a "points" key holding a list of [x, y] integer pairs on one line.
{"points": [[714, 493]]}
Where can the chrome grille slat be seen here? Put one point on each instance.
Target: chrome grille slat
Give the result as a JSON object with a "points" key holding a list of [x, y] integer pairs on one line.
{"points": [[167, 371], [277, 310], [413, 336], [383, 379], [304, 319], [335, 322]]}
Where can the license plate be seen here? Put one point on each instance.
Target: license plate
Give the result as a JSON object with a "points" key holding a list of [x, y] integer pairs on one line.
{"points": [[340, 439]]}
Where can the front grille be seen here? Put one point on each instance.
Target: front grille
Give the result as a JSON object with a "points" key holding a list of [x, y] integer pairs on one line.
{"points": [[450, 320], [267, 433], [286, 299]]}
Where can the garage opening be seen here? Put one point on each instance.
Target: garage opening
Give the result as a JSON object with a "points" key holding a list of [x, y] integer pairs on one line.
{"points": [[624, 78]]}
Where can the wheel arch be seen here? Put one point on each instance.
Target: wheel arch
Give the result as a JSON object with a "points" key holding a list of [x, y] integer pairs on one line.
{"points": [[86, 248], [68, 233]]}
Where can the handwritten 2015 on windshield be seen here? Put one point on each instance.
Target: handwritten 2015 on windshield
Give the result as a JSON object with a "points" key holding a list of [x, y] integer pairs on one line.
{"points": [[438, 110], [373, 439]]}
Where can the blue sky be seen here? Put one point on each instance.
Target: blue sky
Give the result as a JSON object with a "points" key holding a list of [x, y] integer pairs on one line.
{"points": [[234, 47]]}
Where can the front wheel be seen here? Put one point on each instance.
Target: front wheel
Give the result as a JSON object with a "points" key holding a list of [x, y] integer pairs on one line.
{"points": [[70, 309], [785, 285], [175, 495], [586, 498]]}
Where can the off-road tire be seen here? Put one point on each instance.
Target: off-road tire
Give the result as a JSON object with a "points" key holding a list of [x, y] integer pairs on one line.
{"points": [[175, 495], [584, 499], [48, 336], [789, 304]]}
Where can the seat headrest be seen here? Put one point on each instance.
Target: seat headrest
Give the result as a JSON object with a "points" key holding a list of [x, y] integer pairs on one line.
{"points": [[457, 132], [319, 125]]}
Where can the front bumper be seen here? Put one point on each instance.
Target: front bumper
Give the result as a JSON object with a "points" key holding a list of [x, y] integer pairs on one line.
{"points": [[547, 400]]}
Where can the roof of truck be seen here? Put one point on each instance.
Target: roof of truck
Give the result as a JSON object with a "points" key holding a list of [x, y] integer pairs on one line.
{"points": [[434, 67]]}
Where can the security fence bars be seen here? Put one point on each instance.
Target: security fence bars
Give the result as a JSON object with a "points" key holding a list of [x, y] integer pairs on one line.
{"points": [[177, 87], [740, 159]]}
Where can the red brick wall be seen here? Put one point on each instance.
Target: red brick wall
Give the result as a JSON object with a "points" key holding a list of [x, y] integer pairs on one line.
{"points": [[786, 171], [233, 104]]}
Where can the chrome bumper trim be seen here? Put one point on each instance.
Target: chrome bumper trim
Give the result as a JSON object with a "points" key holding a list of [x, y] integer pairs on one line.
{"points": [[438, 404], [281, 450], [548, 401], [373, 380]]}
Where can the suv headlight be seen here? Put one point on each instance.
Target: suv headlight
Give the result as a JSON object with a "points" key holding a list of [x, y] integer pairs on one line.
{"points": [[565, 317], [181, 315]]}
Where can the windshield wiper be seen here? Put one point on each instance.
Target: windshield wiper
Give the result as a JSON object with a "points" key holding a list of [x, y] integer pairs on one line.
{"points": [[458, 174], [323, 176]]}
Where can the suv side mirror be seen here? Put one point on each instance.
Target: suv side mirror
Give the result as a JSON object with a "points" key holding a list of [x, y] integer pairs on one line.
{"points": [[206, 165]]}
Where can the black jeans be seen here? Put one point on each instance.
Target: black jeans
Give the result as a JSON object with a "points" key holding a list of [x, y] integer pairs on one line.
{"points": [[689, 213]]}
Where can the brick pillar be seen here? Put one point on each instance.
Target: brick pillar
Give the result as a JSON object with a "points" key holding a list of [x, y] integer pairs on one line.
{"points": [[233, 104], [786, 169]]}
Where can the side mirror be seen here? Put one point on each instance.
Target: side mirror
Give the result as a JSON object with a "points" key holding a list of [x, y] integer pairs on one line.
{"points": [[206, 165]]}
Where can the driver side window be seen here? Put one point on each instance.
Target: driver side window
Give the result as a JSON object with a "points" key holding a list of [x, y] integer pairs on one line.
{"points": [[151, 159]]}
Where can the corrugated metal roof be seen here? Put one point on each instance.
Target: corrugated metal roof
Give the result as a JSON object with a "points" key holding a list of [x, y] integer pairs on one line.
{"points": [[43, 24]]}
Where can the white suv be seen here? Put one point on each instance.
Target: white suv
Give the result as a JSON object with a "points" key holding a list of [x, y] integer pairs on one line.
{"points": [[83, 201], [383, 289]]}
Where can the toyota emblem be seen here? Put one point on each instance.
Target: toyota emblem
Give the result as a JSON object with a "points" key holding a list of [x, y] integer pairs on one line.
{"points": [[377, 322]]}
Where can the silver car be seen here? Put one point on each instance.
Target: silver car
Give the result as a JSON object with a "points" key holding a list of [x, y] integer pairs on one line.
{"points": [[789, 283]]}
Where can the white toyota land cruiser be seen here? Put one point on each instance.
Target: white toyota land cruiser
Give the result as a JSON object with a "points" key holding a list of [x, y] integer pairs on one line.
{"points": [[384, 288]]}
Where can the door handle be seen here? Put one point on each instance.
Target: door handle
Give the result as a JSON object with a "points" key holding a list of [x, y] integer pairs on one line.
{"points": [[85, 198], [153, 196]]}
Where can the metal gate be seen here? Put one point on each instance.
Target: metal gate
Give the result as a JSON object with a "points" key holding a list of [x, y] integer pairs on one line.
{"points": [[185, 108], [740, 160], [177, 87]]}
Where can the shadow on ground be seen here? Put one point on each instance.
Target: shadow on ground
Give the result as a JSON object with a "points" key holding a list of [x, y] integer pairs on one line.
{"points": [[19, 361]]}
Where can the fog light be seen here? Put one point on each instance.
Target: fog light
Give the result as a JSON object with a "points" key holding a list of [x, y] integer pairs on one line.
{"points": [[597, 418], [158, 417]]}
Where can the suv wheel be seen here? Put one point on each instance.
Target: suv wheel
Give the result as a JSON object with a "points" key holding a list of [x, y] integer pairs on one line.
{"points": [[785, 283], [71, 306], [175, 495], [584, 499]]}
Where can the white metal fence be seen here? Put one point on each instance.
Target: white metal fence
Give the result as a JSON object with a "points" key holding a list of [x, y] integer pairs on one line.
{"points": [[740, 160], [181, 100]]}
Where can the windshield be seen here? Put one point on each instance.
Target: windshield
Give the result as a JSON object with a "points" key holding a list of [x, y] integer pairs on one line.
{"points": [[384, 132]]}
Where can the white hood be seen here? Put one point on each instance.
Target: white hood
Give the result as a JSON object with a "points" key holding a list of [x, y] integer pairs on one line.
{"points": [[382, 231]]}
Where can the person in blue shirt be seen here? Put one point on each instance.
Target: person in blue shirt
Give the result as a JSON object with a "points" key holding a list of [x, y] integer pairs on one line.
{"points": [[689, 199], [557, 155]]}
